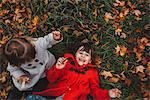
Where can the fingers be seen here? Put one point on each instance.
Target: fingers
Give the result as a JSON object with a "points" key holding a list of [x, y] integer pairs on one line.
{"points": [[57, 35], [61, 63], [117, 92]]}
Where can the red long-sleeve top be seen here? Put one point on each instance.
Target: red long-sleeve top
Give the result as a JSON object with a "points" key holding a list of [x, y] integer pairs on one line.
{"points": [[74, 82]]}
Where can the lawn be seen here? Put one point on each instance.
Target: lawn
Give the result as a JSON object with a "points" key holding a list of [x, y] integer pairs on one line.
{"points": [[118, 29]]}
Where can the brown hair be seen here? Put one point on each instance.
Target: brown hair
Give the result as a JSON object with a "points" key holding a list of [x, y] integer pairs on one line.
{"points": [[19, 51]]}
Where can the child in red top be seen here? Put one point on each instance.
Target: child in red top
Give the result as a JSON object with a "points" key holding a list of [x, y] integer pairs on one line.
{"points": [[74, 78]]}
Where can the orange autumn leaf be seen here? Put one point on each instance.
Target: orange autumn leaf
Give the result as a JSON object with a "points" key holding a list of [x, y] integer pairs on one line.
{"points": [[1, 30], [4, 40], [3, 12], [95, 13], [45, 17], [106, 74], [113, 80], [123, 51], [98, 61], [77, 33], [66, 28], [119, 3], [144, 41], [107, 16], [35, 20], [118, 31]]}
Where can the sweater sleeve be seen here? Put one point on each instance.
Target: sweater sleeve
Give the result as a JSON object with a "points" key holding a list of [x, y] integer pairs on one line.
{"points": [[95, 91], [16, 72], [46, 41], [53, 74]]}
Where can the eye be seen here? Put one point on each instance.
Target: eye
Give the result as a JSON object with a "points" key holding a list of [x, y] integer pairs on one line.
{"points": [[87, 55], [80, 53]]}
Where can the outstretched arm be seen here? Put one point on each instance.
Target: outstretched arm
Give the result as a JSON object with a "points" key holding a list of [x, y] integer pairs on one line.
{"points": [[95, 91], [47, 41]]}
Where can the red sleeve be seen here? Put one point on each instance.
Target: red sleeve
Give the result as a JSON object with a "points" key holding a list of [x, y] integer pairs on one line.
{"points": [[53, 74], [95, 91]]}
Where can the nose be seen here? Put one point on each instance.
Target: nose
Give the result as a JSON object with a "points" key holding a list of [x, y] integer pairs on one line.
{"points": [[83, 55]]}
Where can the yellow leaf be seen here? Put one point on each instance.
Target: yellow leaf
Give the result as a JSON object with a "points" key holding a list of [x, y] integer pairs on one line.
{"points": [[106, 74], [123, 51], [95, 39], [107, 16], [118, 31], [95, 13], [35, 20]]}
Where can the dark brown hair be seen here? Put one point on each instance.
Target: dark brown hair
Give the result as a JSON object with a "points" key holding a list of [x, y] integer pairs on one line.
{"points": [[18, 51]]}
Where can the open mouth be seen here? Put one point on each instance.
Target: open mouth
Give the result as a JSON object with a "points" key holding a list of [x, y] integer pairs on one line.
{"points": [[81, 60]]}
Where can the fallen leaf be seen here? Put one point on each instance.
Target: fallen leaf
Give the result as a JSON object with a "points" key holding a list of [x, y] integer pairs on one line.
{"points": [[123, 35], [107, 16], [1, 30], [140, 69], [66, 28], [95, 13], [123, 51], [119, 3], [113, 80], [117, 49], [35, 20], [95, 39], [106, 74], [128, 82], [98, 61], [77, 33], [118, 31], [137, 12]]}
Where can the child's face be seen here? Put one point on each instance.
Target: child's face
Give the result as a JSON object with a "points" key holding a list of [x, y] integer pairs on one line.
{"points": [[83, 57]]}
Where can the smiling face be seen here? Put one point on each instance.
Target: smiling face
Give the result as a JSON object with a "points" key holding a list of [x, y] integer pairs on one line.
{"points": [[82, 56]]}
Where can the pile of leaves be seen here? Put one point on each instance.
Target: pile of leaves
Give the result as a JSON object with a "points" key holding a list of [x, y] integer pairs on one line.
{"points": [[119, 30]]}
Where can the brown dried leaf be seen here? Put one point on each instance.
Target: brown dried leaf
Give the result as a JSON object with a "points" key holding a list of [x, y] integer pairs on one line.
{"points": [[106, 74]]}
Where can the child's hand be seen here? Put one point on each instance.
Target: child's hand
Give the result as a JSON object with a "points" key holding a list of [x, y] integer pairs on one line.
{"points": [[23, 79], [114, 93], [57, 35], [61, 62]]}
